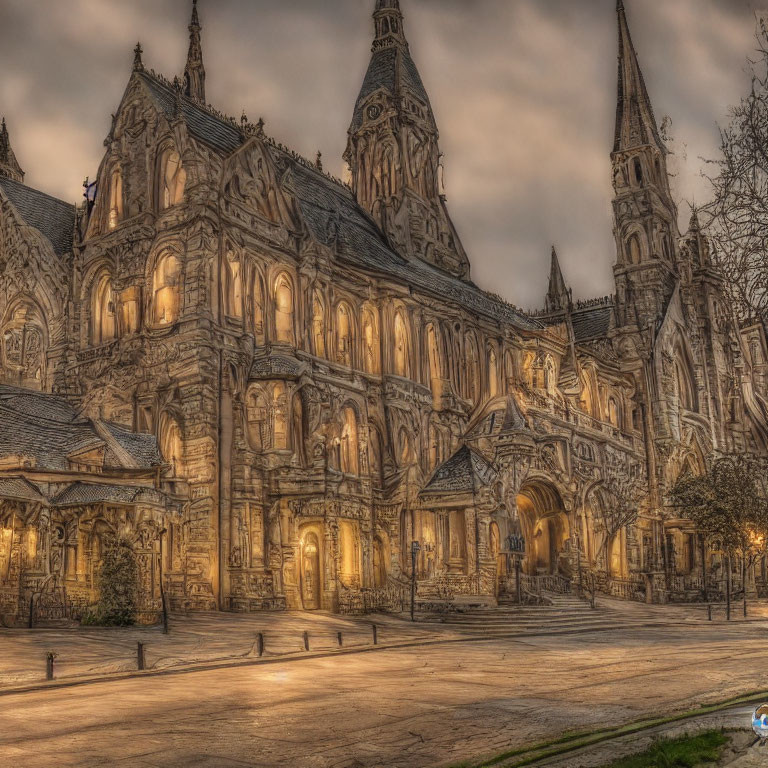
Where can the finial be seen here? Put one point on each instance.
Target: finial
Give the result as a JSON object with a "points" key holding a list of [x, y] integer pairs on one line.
{"points": [[243, 119], [260, 126], [195, 21], [319, 161], [138, 64], [619, 5]]}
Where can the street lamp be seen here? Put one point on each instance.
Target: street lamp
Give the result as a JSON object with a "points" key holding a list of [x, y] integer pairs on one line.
{"points": [[162, 590], [415, 549]]}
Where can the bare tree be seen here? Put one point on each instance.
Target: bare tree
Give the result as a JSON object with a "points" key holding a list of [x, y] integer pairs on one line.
{"points": [[736, 219]]}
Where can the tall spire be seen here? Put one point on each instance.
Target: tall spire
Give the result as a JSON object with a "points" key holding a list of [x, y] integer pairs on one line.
{"points": [[558, 295], [635, 121], [9, 167], [393, 152], [194, 74]]}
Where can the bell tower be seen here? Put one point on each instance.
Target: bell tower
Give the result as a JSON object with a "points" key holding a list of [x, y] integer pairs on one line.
{"points": [[645, 215], [393, 151]]}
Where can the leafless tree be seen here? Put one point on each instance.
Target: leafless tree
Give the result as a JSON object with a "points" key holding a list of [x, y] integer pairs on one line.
{"points": [[736, 219]]}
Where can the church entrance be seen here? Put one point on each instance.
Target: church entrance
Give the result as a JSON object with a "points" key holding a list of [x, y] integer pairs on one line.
{"points": [[310, 571], [545, 528]]}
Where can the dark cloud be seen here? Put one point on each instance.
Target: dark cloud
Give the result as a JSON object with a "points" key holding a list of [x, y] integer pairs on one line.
{"points": [[524, 93]]}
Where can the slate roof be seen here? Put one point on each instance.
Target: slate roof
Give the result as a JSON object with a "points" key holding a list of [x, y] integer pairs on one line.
{"points": [[592, 323], [53, 218], [97, 493], [332, 213], [47, 430], [465, 471], [19, 488], [383, 73], [202, 124]]}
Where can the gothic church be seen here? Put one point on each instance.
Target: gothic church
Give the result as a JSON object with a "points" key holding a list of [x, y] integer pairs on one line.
{"points": [[271, 383]]}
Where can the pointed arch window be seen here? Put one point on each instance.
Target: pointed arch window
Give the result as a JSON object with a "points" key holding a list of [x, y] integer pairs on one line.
{"points": [[402, 347], [473, 369], [233, 285], [685, 391], [24, 347], [171, 444], [172, 178], [279, 414], [344, 334], [284, 310], [613, 412], [115, 215], [435, 362], [257, 299], [103, 316], [372, 347], [318, 324], [165, 289], [493, 373]]}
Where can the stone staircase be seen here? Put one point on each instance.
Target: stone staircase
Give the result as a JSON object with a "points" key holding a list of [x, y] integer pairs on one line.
{"points": [[564, 614]]}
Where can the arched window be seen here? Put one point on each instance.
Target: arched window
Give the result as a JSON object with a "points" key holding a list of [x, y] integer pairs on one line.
{"points": [[402, 347], [172, 179], [165, 289], [550, 384], [318, 324], [284, 310], [634, 250], [638, 167], [613, 412], [257, 297], [344, 334], [115, 198], [493, 373], [435, 362], [257, 413], [375, 454], [171, 445], [349, 442], [24, 347], [509, 370], [103, 321], [685, 391], [372, 347], [473, 369], [232, 280]]}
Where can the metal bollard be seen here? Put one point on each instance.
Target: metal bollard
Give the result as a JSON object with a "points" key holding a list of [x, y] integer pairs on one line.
{"points": [[140, 658], [339, 638], [31, 611], [709, 611], [49, 657], [375, 634], [306, 641], [260, 644]]}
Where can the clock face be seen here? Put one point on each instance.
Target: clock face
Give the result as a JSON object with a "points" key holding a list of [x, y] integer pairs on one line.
{"points": [[374, 111]]}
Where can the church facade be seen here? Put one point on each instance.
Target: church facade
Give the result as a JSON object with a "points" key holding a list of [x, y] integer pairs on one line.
{"points": [[272, 383]]}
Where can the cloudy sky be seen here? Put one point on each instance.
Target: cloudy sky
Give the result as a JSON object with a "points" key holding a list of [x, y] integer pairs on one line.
{"points": [[523, 90]]}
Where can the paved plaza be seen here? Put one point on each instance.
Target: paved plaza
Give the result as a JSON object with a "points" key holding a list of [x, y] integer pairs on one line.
{"points": [[433, 704]]}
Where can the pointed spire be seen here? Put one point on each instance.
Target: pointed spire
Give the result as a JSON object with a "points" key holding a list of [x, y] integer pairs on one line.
{"points": [[9, 167], [558, 295], [138, 64], [635, 121], [194, 74]]}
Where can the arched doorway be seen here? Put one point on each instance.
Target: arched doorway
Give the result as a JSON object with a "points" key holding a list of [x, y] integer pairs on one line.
{"points": [[309, 574], [545, 528]]}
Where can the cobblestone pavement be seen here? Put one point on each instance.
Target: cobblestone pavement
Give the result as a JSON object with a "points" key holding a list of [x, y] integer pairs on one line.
{"points": [[434, 705]]}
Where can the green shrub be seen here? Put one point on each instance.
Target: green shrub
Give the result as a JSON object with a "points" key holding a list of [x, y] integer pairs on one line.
{"points": [[118, 589]]}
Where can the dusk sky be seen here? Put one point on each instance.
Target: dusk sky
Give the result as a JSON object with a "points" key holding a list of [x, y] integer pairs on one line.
{"points": [[524, 92]]}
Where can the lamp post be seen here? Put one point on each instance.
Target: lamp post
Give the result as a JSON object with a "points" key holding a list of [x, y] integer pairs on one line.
{"points": [[162, 590], [415, 549]]}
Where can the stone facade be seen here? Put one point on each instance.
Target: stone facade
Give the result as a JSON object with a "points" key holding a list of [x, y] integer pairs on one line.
{"points": [[326, 384]]}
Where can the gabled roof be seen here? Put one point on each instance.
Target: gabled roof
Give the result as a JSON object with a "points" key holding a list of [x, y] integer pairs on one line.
{"points": [[213, 130], [53, 218], [98, 493], [466, 471], [46, 430], [20, 488]]}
